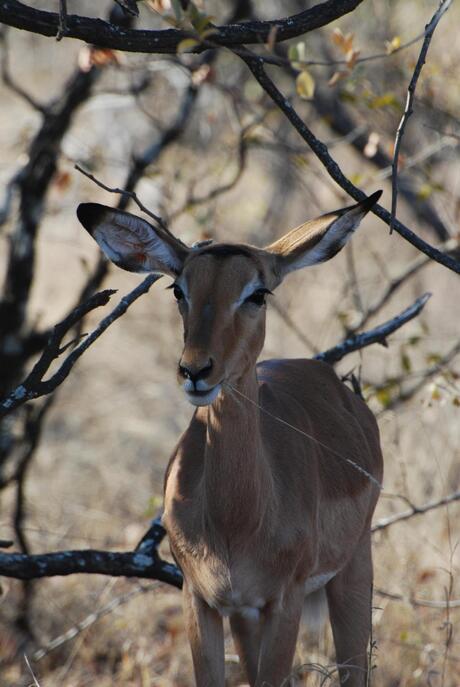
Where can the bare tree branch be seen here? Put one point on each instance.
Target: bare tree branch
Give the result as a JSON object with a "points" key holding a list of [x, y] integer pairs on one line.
{"points": [[414, 510], [424, 603], [256, 66], [377, 335], [429, 30], [106, 35], [34, 386], [144, 562]]}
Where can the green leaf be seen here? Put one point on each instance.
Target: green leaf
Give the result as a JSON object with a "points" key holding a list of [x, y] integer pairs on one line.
{"points": [[405, 362], [385, 100], [293, 53]]}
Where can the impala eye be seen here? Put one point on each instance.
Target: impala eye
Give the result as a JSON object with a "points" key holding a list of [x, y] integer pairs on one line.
{"points": [[178, 293], [258, 297]]}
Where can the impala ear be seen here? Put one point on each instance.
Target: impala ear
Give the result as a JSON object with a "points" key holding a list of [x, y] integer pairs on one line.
{"points": [[131, 242], [319, 239]]}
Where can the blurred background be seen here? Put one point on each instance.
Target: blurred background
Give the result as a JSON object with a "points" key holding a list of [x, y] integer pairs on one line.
{"points": [[205, 148]]}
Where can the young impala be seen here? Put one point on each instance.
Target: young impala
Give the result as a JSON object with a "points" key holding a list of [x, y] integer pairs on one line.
{"points": [[270, 492]]}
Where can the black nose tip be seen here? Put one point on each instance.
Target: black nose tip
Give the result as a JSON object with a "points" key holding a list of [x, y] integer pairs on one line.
{"points": [[194, 372]]}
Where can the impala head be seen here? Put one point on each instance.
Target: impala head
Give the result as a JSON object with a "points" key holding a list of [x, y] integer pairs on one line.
{"points": [[220, 288]]}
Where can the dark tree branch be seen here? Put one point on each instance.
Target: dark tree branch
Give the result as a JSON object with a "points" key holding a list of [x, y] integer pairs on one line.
{"points": [[34, 386], [429, 30], [106, 35], [256, 66], [132, 564], [143, 562], [377, 335]]}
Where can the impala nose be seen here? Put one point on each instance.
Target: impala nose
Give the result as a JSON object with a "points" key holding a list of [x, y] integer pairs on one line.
{"points": [[195, 372]]}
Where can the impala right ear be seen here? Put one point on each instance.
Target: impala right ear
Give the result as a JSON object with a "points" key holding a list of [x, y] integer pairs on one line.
{"points": [[132, 243]]}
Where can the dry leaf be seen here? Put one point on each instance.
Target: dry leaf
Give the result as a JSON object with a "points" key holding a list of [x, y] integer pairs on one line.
{"points": [[351, 57], [338, 76], [305, 85], [271, 40], [345, 43]]}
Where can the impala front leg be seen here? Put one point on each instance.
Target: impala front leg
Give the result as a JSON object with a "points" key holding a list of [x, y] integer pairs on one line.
{"points": [[206, 637], [279, 635]]}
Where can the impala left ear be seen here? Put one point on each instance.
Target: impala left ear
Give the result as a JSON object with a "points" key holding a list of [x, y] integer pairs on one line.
{"points": [[319, 239]]}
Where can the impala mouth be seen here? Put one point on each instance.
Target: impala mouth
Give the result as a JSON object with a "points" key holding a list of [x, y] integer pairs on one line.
{"points": [[201, 397]]}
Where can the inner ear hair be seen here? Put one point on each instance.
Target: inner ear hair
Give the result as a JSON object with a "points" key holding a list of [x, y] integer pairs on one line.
{"points": [[319, 239]]}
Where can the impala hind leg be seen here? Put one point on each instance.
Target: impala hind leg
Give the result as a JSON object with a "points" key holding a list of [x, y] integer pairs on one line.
{"points": [[206, 637], [349, 597], [279, 632], [246, 636]]}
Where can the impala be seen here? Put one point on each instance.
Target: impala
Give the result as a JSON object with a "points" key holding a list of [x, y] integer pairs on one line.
{"points": [[270, 492]]}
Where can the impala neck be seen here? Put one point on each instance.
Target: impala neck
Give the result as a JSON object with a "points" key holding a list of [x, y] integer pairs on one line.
{"points": [[236, 479]]}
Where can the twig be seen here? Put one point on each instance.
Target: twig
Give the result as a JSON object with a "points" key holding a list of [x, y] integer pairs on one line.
{"points": [[292, 324], [34, 386], [434, 369], [192, 201], [424, 603], [62, 30], [36, 683], [320, 149], [11, 84], [377, 335], [396, 283], [429, 30], [92, 618], [128, 194], [414, 510]]}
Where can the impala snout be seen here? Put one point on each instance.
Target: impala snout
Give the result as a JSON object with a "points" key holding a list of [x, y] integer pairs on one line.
{"points": [[200, 390]]}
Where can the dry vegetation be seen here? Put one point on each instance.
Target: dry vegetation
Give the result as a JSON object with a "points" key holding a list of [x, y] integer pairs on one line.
{"points": [[96, 478]]}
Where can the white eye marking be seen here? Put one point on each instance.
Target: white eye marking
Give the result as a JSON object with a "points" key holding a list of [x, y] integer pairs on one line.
{"points": [[247, 291]]}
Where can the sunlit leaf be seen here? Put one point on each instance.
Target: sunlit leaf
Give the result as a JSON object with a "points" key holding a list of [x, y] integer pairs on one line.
{"points": [[425, 191], [394, 44], [186, 45], [305, 85]]}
